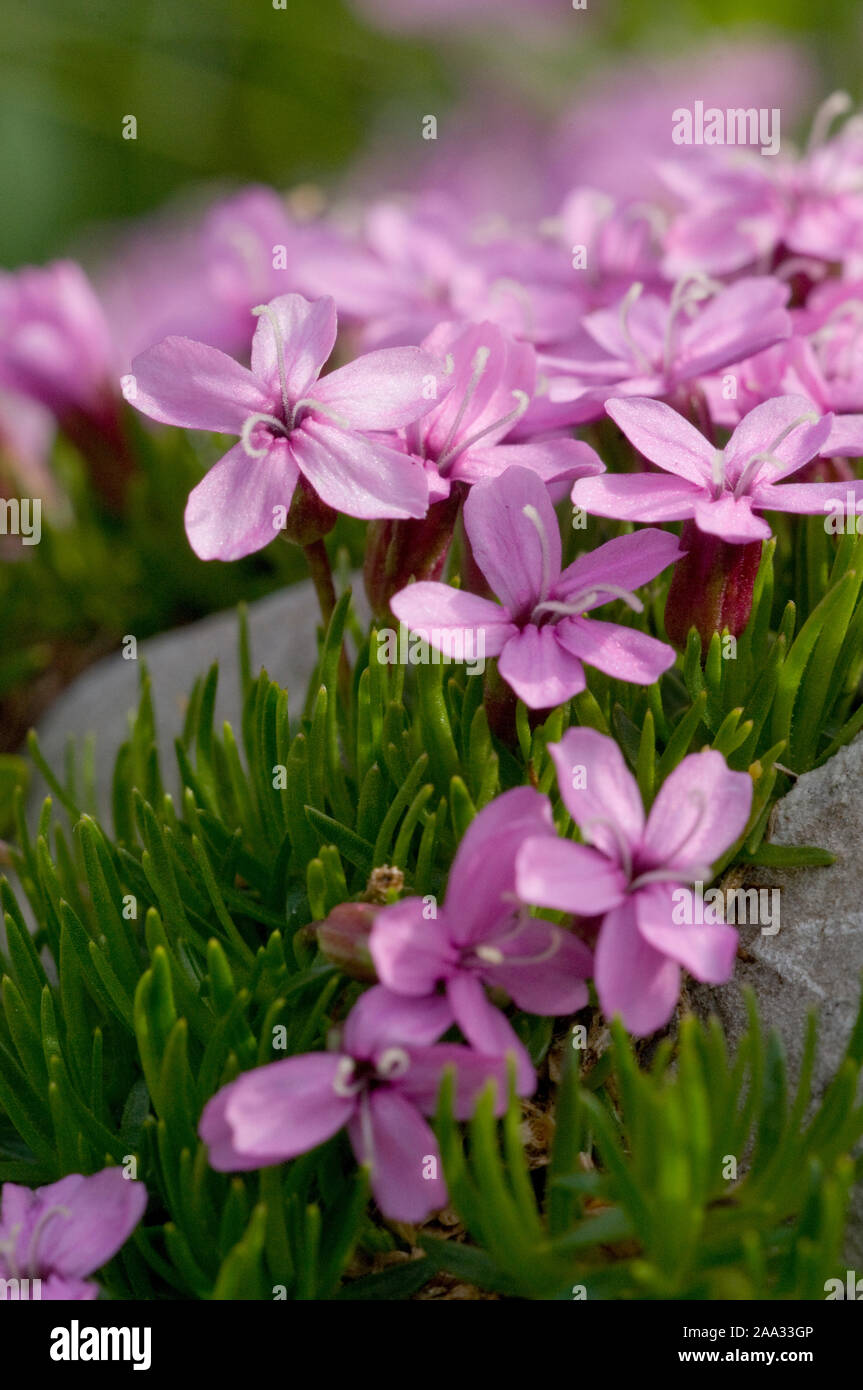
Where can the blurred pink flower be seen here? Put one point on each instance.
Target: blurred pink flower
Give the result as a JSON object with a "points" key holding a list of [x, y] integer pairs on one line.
{"points": [[64, 1232], [382, 1080]]}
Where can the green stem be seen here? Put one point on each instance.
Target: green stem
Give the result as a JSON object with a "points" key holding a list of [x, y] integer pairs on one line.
{"points": [[322, 577]]}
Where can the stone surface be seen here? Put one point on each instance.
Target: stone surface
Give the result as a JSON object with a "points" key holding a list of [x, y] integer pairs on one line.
{"points": [[815, 959], [282, 631]]}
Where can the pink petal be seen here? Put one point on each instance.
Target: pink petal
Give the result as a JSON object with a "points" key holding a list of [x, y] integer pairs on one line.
{"points": [[411, 953], [391, 1137], [275, 1112], [699, 812], [627, 561], [637, 497], [381, 1019], [451, 620], [308, 333], [731, 518], [632, 979], [359, 476], [551, 986], [505, 542], [481, 889], [551, 872], [384, 390], [103, 1210], [232, 511], [552, 460], [740, 321], [180, 382], [762, 427], [598, 790], [622, 652], [58, 1290], [808, 499], [664, 437], [707, 952], [472, 1073], [845, 439], [539, 669], [488, 1030]]}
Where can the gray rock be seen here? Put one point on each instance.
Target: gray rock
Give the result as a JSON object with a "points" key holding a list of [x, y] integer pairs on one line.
{"points": [[815, 959], [282, 631]]}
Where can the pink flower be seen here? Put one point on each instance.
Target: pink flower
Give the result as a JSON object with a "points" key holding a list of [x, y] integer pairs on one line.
{"points": [[634, 871], [645, 346], [64, 1232], [619, 127], [250, 248], [720, 488], [394, 278], [491, 381], [482, 936], [380, 1083], [56, 349], [291, 424], [622, 242], [822, 361], [539, 630], [55, 346], [748, 209]]}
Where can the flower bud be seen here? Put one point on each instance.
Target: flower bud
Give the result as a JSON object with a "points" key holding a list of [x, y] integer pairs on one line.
{"points": [[343, 937]]}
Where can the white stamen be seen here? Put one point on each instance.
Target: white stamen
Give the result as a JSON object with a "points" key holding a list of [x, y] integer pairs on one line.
{"points": [[587, 598], [8, 1250], [32, 1258], [535, 519], [623, 849], [717, 468], [345, 1083], [838, 104], [309, 404], [392, 1063], [280, 352], [638, 355], [691, 288], [506, 421], [505, 286], [769, 455], [493, 954], [480, 362], [259, 418], [490, 954]]}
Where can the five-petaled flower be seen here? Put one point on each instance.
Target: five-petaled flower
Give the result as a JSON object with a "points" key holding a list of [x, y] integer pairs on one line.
{"points": [[630, 868], [293, 424], [64, 1232], [385, 1076], [539, 630], [721, 489]]}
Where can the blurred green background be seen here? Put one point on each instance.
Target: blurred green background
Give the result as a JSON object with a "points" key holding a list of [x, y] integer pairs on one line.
{"points": [[235, 89]]}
